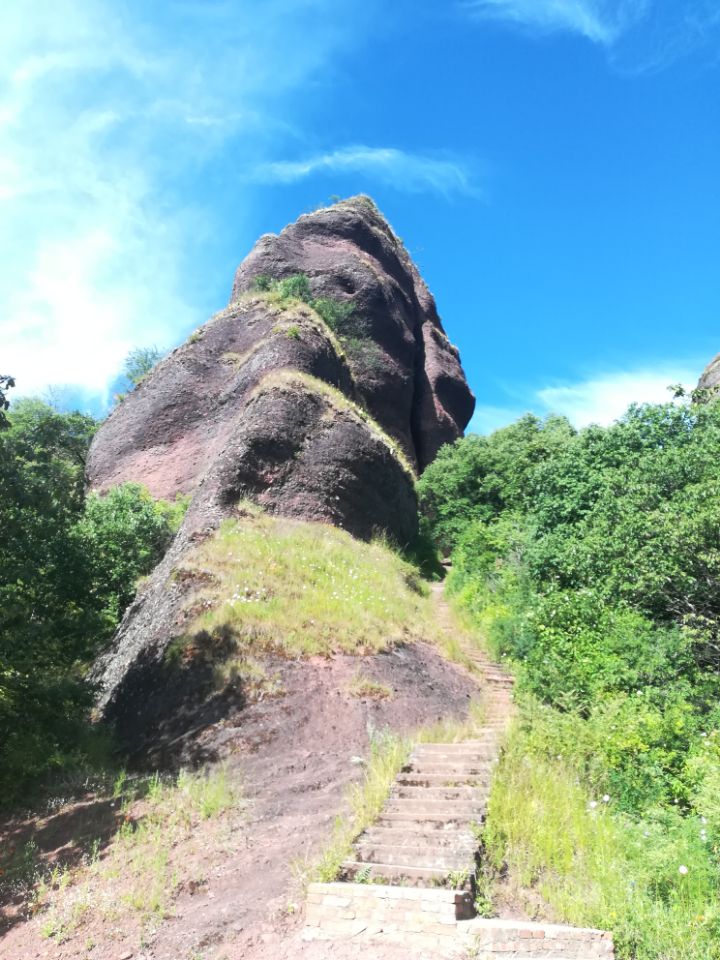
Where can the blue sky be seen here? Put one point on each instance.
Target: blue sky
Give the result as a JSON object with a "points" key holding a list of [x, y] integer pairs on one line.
{"points": [[552, 166]]}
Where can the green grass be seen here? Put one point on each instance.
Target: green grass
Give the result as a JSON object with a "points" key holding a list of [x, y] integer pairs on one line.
{"points": [[304, 589], [651, 882]]}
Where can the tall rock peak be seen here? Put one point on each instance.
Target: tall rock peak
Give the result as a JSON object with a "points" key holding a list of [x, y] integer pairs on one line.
{"points": [[319, 392]]}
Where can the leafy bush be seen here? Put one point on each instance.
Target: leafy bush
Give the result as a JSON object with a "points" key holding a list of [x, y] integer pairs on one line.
{"points": [[126, 532], [68, 570], [592, 561]]}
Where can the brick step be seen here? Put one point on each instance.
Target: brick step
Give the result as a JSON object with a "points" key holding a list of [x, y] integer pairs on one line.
{"points": [[421, 792], [407, 875], [458, 808], [442, 858], [399, 836]]}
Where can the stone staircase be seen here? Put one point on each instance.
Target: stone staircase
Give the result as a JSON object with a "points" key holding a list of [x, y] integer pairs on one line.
{"points": [[411, 876]]}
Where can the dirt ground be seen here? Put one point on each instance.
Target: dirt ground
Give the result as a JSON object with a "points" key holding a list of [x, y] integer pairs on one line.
{"points": [[296, 755]]}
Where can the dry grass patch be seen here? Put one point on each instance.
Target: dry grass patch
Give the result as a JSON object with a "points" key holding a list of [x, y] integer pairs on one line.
{"points": [[165, 837], [303, 589]]}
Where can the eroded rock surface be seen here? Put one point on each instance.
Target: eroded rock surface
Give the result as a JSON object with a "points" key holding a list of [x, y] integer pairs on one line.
{"points": [[710, 379], [314, 414]]}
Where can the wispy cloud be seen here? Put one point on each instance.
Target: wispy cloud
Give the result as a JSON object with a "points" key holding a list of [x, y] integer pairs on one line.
{"points": [[107, 113], [410, 172], [602, 21], [640, 36], [600, 399]]}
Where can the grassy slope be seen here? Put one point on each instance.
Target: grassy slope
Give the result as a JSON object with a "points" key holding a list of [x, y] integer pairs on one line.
{"points": [[304, 588]]}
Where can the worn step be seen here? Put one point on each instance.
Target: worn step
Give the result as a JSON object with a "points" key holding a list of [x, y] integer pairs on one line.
{"points": [[458, 761], [395, 817], [429, 807], [441, 858], [405, 791], [395, 872], [473, 752], [399, 836], [456, 772], [451, 780]]}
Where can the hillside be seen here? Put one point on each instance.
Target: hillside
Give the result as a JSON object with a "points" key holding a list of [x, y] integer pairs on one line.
{"points": [[247, 712]]}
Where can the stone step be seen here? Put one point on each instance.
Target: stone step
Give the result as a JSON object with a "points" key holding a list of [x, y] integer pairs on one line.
{"points": [[396, 872], [455, 759], [476, 754], [450, 794], [400, 836], [394, 817], [413, 779], [440, 858], [459, 770], [457, 809]]}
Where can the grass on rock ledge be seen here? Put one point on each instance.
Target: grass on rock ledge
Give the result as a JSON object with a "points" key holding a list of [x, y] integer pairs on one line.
{"points": [[304, 589]]}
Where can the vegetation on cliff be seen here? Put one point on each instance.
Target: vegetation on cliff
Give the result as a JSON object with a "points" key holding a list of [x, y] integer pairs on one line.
{"points": [[590, 560]]}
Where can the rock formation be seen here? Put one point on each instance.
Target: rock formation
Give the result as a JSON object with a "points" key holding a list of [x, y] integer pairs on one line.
{"points": [[710, 379], [318, 392]]}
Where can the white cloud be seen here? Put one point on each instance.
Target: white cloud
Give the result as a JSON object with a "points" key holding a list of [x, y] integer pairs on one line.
{"points": [[107, 112], [410, 172], [605, 398], [601, 399], [602, 21]]}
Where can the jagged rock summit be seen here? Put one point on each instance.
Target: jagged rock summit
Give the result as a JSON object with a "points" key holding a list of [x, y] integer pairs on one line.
{"points": [[319, 392]]}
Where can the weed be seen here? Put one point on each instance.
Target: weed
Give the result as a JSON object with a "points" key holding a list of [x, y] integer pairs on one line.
{"points": [[293, 332], [365, 688]]}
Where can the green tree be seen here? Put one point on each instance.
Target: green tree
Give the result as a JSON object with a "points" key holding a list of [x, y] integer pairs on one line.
{"points": [[68, 570], [140, 362], [6, 383]]}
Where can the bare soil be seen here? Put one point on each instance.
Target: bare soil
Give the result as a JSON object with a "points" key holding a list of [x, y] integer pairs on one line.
{"points": [[296, 754]]}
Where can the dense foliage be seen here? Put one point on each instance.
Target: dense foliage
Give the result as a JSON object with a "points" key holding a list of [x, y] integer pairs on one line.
{"points": [[592, 560], [69, 567]]}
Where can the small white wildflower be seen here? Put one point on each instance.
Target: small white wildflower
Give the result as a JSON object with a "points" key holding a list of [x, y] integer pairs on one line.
{"points": [[606, 798], [592, 804], [682, 869]]}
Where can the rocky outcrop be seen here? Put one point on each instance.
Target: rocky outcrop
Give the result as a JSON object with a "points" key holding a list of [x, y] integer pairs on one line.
{"points": [[390, 355], [320, 391], [710, 379]]}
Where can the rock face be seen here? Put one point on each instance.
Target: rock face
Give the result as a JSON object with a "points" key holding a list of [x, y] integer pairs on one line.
{"points": [[318, 393], [710, 379]]}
